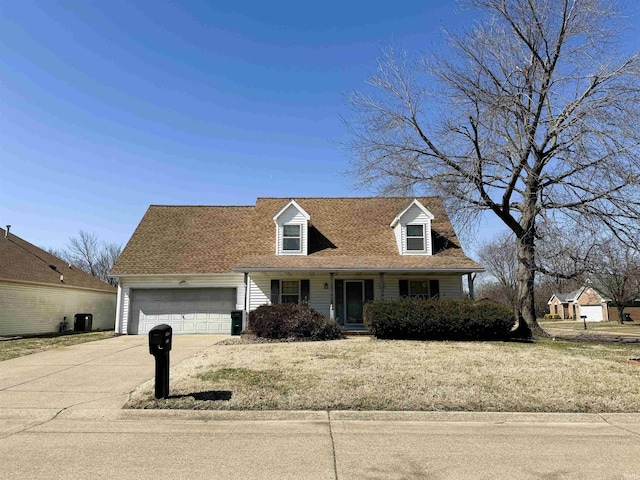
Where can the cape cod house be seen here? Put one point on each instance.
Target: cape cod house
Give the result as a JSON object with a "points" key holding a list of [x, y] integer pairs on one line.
{"points": [[190, 266]]}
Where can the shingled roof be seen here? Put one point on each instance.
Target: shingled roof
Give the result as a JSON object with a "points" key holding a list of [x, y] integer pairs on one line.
{"points": [[345, 234], [24, 262]]}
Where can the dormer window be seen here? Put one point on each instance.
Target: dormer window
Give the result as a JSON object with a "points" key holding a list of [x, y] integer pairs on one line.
{"points": [[412, 229], [415, 238], [291, 238], [292, 230]]}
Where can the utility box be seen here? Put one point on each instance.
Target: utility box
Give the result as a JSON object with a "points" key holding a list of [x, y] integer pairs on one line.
{"points": [[82, 322], [236, 322]]}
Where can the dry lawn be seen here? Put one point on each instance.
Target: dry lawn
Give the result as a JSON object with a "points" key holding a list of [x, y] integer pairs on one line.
{"points": [[613, 327], [369, 374], [26, 346]]}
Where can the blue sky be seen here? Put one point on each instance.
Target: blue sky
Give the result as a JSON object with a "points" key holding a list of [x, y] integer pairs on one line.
{"points": [[109, 106]]}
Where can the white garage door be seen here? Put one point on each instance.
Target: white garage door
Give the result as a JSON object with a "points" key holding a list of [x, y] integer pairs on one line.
{"points": [[593, 312], [196, 310]]}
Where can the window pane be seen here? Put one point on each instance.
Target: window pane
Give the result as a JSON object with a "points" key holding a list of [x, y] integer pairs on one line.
{"points": [[418, 288], [291, 230], [415, 231], [290, 288], [291, 244], [289, 299], [415, 243]]}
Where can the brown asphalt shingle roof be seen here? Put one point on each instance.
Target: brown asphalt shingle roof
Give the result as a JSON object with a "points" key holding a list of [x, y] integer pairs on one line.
{"points": [[346, 233], [22, 261]]}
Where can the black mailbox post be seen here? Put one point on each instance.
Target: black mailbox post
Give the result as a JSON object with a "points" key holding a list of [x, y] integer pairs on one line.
{"points": [[160, 338]]}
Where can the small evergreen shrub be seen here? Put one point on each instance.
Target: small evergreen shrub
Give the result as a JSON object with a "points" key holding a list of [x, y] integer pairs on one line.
{"points": [[292, 320], [418, 319]]}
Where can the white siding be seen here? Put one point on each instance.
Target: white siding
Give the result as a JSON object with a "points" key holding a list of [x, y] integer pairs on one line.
{"points": [[292, 216], [320, 299], [413, 216], [130, 284], [31, 309]]}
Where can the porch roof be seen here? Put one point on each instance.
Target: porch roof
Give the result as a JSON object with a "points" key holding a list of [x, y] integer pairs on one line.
{"points": [[418, 264]]}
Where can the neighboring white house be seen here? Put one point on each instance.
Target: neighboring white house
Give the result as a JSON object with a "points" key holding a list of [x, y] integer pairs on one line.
{"points": [[190, 266], [38, 290]]}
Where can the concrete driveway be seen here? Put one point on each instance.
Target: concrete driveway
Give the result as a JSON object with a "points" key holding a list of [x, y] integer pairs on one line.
{"points": [[61, 418], [93, 375]]}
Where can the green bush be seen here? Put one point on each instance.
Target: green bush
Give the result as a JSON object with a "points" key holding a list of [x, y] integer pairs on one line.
{"points": [[551, 316], [418, 319], [291, 320]]}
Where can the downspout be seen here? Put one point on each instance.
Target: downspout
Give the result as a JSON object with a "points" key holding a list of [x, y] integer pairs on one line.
{"points": [[332, 309], [119, 310], [381, 284], [245, 309]]}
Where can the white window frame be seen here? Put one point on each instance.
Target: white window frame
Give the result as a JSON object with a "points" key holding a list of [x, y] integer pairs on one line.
{"points": [[423, 237], [298, 237]]}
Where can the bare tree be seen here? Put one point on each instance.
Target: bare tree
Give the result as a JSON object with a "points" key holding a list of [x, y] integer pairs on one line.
{"points": [[500, 258], [617, 274], [532, 116], [88, 253]]}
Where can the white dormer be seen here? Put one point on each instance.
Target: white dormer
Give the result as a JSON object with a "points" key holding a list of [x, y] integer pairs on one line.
{"points": [[412, 228], [292, 230]]}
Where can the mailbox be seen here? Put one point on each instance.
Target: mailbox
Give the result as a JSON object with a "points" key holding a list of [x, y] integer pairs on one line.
{"points": [[159, 347], [160, 339]]}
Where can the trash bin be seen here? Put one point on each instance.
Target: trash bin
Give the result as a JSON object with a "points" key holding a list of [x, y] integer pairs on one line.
{"points": [[236, 322], [82, 322]]}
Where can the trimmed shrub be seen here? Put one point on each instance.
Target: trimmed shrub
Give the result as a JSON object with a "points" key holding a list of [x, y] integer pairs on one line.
{"points": [[551, 316], [292, 320], [418, 319]]}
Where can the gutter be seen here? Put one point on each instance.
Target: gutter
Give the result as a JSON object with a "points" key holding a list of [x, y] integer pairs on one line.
{"points": [[351, 269]]}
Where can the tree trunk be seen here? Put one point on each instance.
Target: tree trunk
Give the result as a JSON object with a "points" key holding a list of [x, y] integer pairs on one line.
{"points": [[620, 314], [527, 325]]}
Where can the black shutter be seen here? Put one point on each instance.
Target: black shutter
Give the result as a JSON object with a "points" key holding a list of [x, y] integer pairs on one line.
{"points": [[304, 291], [275, 292], [434, 288], [339, 301], [404, 288], [368, 290]]}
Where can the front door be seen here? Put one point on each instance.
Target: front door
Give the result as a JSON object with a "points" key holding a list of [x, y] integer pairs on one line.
{"points": [[354, 299]]}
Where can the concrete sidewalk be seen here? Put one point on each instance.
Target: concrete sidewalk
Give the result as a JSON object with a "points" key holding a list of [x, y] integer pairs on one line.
{"points": [[61, 418]]}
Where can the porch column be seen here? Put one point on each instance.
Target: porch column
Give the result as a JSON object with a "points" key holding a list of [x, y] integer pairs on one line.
{"points": [[245, 309], [332, 306], [470, 278], [381, 284]]}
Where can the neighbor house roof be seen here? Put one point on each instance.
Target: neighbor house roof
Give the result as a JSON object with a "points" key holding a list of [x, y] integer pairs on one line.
{"points": [[345, 233], [21, 261], [567, 297]]}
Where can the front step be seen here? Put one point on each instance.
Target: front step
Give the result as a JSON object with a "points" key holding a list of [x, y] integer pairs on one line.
{"points": [[356, 332]]}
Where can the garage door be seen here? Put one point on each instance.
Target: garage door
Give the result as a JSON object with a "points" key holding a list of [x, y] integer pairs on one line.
{"points": [[198, 310], [593, 312]]}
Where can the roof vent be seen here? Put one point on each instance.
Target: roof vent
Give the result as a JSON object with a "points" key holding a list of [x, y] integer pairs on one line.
{"points": [[6, 234], [62, 278]]}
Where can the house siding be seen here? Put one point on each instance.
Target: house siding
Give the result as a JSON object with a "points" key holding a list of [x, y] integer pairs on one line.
{"points": [[292, 216], [320, 299], [33, 309], [413, 216]]}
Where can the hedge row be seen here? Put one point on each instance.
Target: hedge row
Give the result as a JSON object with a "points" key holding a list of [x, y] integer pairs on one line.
{"points": [[418, 319], [292, 321]]}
